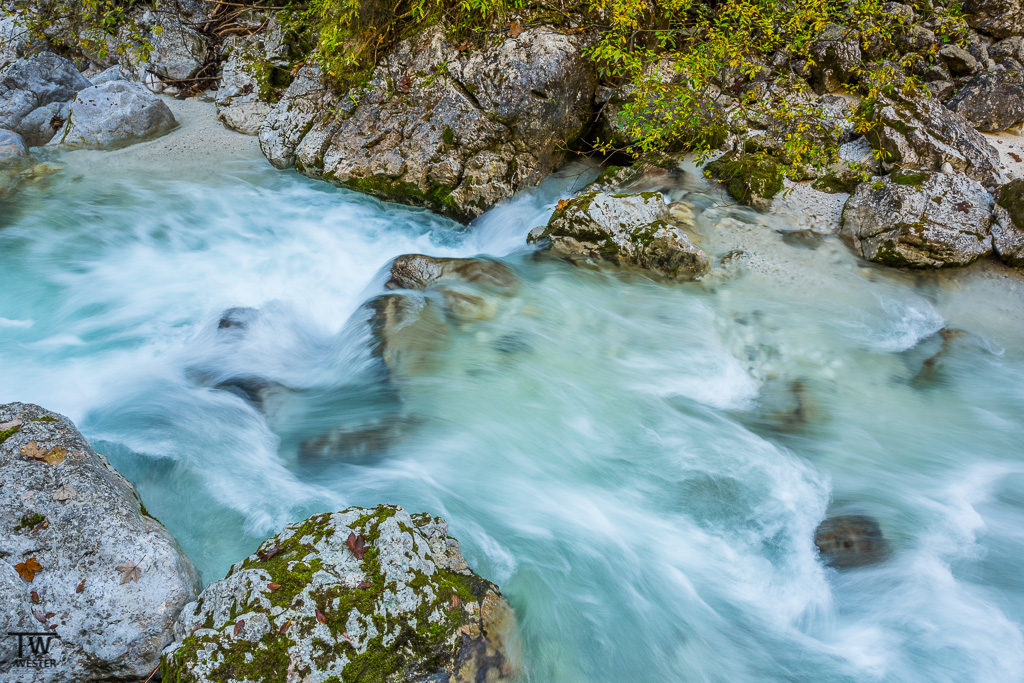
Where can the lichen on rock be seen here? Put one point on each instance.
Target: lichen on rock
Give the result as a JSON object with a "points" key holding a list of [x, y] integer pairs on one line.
{"points": [[357, 595]]}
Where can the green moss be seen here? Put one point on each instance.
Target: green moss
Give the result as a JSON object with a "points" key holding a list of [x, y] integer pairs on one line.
{"points": [[8, 433], [449, 136], [45, 418], [29, 522], [748, 177], [910, 178], [839, 180], [438, 198], [1010, 197]]}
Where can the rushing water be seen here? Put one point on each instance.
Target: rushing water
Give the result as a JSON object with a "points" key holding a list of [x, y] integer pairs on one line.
{"points": [[639, 465]]}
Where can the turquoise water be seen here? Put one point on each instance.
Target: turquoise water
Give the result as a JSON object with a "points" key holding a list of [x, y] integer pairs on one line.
{"points": [[639, 465]]}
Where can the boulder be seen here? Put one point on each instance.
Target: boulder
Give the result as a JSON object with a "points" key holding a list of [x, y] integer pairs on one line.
{"points": [[359, 595], [627, 229], [450, 130], [39, 126], [919, 219], [1008, 223], [850, 541], [110, 74], [307, 100], [416, 271], [959, 61], [254, 77], [176, 51], [108, 580], [751, 178], [997, 18], [14, 38], [115, 113], [837, 57], [918, 132], [34, 82], [1008, 48], [991, 102], [11, 145]]}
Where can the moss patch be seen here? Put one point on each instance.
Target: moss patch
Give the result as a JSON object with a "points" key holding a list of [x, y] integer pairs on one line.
{"points": [[29, 522], [438, 198], [748, 177], [1011, 198], [910, 178], [8, 433]]}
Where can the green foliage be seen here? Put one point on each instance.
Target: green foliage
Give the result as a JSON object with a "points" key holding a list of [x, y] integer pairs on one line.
{"points": [[95, 28]]}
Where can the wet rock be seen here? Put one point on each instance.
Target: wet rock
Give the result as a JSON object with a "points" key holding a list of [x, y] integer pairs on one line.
{"points": [[991, 102], [113, 114], [305, 101], [919, 220], [11, 145], [920, 133], [626, 229], [850, 541], [65, 510], [34, 82], [806, 238], [416, 271], [1008, 223], [407, 333], [997, 18], [453, 131], [314, 604], [237, 318], [931, 365]]}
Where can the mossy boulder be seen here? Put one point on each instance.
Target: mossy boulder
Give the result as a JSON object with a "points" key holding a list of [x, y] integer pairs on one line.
{"points": [[750, 178], [313, 605], [626, 229], [1008, 226], [919, 219]]}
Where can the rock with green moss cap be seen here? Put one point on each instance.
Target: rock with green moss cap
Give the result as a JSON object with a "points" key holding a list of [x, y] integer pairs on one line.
{"points": [[627, 229], [109, 580], [358, 595], [919, 219], [752, 178], [1008, 223], [453, 130]]}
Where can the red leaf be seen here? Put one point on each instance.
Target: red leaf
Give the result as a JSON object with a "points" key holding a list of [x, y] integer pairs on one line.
{"points": [[364, 585], [239, 625], [40, 617], [80, 587], [27, 569], [1016, 157], [50, 615], [35, 597], [284, 626], [267, 554], [321, 617], [357, 544], [273, 586]]}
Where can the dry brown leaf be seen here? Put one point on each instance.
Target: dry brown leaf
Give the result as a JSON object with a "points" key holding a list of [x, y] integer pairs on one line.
{"points": [[321, 617], [40, 617], [515, 29], [273, 586], [80, 587], [64, 493], [32, 450], [129, 572], [357, 544], [239, 625], [27, 569], [54, 456], [285, 626], [35, 597]]}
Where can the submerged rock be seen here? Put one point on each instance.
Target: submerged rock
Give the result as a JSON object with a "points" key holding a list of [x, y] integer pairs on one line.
{"points": [[1008, 223], [358, 595], [627, 229], [416, 271], [115, 113], [919, 220], [11, 145], [850, 541], [450, 130], [921, 133], [65, 512]]}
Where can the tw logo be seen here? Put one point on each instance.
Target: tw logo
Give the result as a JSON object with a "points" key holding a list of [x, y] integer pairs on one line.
{"points": [[34, 650]]}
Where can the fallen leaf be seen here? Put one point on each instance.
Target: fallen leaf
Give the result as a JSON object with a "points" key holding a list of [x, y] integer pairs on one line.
{"points": [[273, 586], [562, 203], [35, 597], [350, 638], [64, 493], [364, 585], [404, 84], [455, 601], [10, 424], [40, 617], [285, 626], [80, 587], [463, 46], [1016, 157], [53, 627], [54, 456], [32, 450], [515, 29], [964, 206], [129, 572], [45, 524], [321, 617], [267, 554], [27, 569], [357, 544], [239, 625], [50, 615]]}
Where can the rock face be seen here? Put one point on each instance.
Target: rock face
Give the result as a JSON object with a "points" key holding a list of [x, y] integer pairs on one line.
{"points": [[40, 125], [627, 229], [921, 133], [919, 220], [1008, 226], [115, 113], [837, 56], [65, 512], [453, 131], [997, 18], [850, 541], [177, 51], [991, 102], [358, 595], [11, 145], [35, 82], [306, 101]]}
